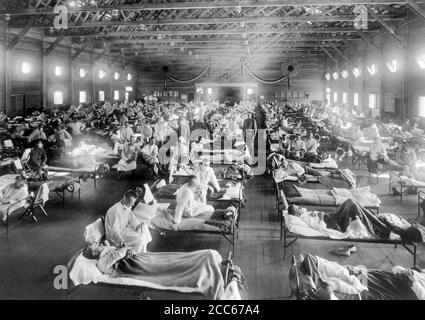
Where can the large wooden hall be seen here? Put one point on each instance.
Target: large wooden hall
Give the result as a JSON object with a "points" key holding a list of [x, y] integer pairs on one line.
{"points": [[212, 150]]}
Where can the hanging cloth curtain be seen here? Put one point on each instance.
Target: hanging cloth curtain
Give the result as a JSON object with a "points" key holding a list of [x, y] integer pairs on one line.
{"points": [[203, 72], [245, 67]]}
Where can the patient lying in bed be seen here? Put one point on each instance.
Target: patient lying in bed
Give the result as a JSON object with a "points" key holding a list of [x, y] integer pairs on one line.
{"points": [[353, 221], [198, 271], [326, 280]]}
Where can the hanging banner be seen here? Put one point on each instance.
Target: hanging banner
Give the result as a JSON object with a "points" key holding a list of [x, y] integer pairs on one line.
{"points": [[245, 67], [203, 72]]}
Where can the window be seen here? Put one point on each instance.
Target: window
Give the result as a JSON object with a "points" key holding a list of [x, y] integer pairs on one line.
{"points": [[129, 89], [344, 97], [209, 91], [335, 96], [328, 90], [357, 72], [421, 107], [116, 95], [127, 96], [356, 99], [328, 76], [58, 71], [57, 97], [116, 75], [335, 75], [392, 65], [249, 91], [102, 74], [344, 74], [200, 90], [83, 97], [26, 67], [372, 69], [421, 61], [129, 77], [83, 72], [101, 96], [328, 99], [373, 101]]}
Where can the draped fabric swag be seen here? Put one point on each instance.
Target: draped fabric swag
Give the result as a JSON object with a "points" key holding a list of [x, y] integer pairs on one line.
{"points": [[247, 69], [202, 73]]}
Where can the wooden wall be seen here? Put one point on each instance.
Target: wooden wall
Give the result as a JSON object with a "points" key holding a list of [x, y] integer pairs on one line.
{"points": [[398, 92], [37, 87], [308, 78]]}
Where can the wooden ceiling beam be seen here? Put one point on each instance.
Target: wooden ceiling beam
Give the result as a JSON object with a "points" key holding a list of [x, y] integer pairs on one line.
{"points": [[52, 47], [222, 20], [187, 5], [329, 55], [420, 11], [213, 32], [339, 52]]}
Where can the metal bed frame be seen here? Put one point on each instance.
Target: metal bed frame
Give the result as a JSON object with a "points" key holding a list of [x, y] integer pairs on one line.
{"points": [[395, 177], [142, 295], [421, 198], [286, 234], [281, 195], [232, 236]]}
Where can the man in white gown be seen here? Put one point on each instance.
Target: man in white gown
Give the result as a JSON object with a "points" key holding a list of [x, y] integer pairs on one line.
{"points": [[206, 175], [122, 228], [187, 206]]}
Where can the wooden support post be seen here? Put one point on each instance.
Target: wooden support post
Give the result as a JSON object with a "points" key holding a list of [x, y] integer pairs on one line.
{"points": [[71, 74], [5, 68], [44, 75]]}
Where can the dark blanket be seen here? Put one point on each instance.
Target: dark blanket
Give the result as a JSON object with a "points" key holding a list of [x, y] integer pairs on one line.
{"points": [[350, 210], [384, 285]]}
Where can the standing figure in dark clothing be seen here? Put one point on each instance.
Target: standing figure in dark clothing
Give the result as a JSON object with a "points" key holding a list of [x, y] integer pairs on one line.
{"points": [[38, 160], [250, 132]]}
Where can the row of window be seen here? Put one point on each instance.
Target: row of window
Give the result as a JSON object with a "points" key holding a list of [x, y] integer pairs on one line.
{"points": [[392, 65], [373, 98], [357, 72], [58, 96], [27, 68]]}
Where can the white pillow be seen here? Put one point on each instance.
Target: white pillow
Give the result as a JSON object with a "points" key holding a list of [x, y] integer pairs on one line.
{"points": [[94, 232], [144, 212], [84, 271], [295, 221]]}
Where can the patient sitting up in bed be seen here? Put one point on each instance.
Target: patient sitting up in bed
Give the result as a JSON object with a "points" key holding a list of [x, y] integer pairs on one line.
{"points": [[351, 220], [198, 271], [13, 197], [206, 176], [187, 206]]}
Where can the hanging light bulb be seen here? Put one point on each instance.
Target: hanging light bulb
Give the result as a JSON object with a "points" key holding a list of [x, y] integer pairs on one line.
{"points": [[172, 43]]}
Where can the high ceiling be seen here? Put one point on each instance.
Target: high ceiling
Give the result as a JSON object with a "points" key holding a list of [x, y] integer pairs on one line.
{"points": [[188, 32]]}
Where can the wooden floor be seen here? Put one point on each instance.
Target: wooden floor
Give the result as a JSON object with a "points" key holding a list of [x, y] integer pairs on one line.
{"points": [[32, 251]]}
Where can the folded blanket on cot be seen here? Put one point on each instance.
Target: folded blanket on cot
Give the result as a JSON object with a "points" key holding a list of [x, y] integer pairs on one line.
{"points": [[230, 191], [158, 217], [326, 164], [404, 180], [332, 198]]}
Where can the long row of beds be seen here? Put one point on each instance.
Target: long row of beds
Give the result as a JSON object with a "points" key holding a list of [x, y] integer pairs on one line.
{"points": [[326, 191], [156, 206]]}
